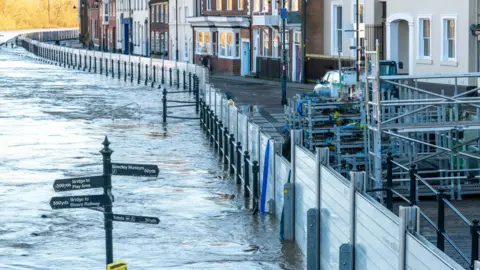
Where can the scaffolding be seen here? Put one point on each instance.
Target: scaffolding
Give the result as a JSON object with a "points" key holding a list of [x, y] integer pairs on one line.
{"points": [[424, 127]]}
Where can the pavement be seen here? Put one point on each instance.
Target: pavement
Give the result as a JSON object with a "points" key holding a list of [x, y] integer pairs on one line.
{"points": [[264, 94]]}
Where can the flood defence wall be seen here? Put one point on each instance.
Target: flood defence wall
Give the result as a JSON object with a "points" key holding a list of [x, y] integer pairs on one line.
{"points": [[328, 211]]}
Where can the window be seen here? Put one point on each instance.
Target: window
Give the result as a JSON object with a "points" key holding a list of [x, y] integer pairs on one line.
{"points": [[219, 4], [256, 5], [240, 4], [209, 4], [229, 4], [229, 45], [158, 13], [424, 38], [161, 13], [215, 43], [265, 5], [237, 44], [337, 29], [449, 33], [203, 42], [153, 13], [294, 5], [186, 14], [166, 14], [361, 11], [275, 47], [266, 43]]}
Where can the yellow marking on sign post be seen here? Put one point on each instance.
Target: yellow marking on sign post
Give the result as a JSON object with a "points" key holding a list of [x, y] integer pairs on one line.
{"points": [[120, 265]]}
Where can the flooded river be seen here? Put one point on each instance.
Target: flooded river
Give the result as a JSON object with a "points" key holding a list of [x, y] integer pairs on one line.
{"points": [[52, 123]]}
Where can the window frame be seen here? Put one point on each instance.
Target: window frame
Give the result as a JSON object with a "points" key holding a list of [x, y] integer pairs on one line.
{"points": [[207, 45], [420, 38], [295, 3], [209, 5], [444, 43], [240, 4], [233, 46], [257, 5], [219, 5], [334, 29], [229, 4]]}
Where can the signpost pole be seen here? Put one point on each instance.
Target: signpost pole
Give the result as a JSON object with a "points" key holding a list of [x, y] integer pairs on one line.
{"points": [[284, 54], [107, 192]]}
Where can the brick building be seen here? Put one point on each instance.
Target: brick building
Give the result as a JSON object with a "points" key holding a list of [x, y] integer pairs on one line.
{"points": [[222, 34], [159, 28], [94, 23]]}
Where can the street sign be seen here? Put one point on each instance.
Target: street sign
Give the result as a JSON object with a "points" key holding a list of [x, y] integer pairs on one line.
{"points": [[135, 219], [77, 201], [78, 183], [283, 13], [135, 169]]}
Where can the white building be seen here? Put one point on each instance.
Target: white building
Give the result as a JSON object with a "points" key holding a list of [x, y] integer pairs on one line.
{"points": [[178, 19], [133, 26]]}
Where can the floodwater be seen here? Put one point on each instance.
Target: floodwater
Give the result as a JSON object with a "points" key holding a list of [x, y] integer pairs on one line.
{"points": [[52, 123]]}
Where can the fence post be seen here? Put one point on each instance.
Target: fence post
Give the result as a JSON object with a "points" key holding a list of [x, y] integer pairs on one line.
{"points": [[124, 71], [441, 219], [101, 65], [139, 73], [170, 71], [238, 163], [197, 96], [113, 68], [389, 181], [164, 101], [474, 228], [163, 75], [184, 80], [154, 75], [118, 69], [76, 63], [90, 65], [95, 64], [413, 185], [214, 129], [178, 78], [232, 153], [226, 135], [131, 72], [246, 174], [106, 67], [190, 81], [146, 74], [409, 222], [79, 66], [256, 195], [220, 139]]}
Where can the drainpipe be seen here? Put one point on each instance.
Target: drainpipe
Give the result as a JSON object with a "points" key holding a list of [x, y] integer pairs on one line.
{"points": [[304, 41]]}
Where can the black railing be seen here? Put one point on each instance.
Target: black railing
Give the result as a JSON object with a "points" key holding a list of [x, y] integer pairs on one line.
{"points": [[442, 201]]}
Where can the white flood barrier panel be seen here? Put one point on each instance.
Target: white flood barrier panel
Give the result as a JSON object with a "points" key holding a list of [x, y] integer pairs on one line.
{"points": [[377, 235], [242, 130], [233, 120], [282, 169], [423, 255], [305, 193], [334, 219]]}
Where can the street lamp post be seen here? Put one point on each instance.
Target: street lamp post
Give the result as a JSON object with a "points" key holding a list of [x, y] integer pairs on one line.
{"points": [[358, 41], [284, 52]]}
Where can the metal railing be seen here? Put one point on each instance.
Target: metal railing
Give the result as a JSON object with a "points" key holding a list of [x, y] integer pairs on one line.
{"points": [[441, 234], [236, 161]]}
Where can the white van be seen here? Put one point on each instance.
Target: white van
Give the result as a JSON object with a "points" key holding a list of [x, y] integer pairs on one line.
{"points": [[332, 82]]}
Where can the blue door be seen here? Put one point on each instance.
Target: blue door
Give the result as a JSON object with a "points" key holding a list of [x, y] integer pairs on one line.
{"points": [[125, 39], [245, 58]]}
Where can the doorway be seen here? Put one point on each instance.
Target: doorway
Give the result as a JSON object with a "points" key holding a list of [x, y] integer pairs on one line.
{"points": [[245, 58]]}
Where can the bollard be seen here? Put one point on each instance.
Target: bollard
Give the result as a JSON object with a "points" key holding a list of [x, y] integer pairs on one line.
{"points": [[232, 153], [125, 71], [154, 73], [95, 64], [219, 138], [80, 63], [184, 80], [389, 181], [112, 65], [164, 102], [139, 71], [190, 82], [76, 63], [197, 97], [238, 163], [255, 184], [163, 77], [146, 74], [246, 174], [474, 228], [413, 185], [441, 219], [101, 65], [214, 128], [90, 65], [85, 67], [106, 67], [170, 71]]}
